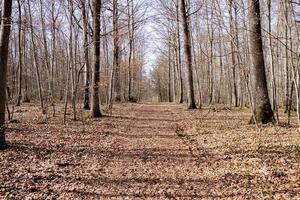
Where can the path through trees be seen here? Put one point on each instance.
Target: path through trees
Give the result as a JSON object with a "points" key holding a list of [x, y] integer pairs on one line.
{"points": [[151, 151]]}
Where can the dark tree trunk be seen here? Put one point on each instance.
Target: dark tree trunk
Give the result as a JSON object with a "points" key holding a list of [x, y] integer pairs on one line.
{"points": [[179, 63], [116, 60], [20, 53], [188, 55], [96, 72], [169, 72], [233, 54], [86, 100], [131, 33], [4, 44], [263, 111]]}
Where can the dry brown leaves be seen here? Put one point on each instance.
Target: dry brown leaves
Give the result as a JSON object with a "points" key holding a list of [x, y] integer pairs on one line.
{"points": [[149, 151]]}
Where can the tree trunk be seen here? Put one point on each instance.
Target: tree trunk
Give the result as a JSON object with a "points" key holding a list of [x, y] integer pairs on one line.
{"points": [[116, 60], [233, 53], [273, 77], [263, 111], [131, 49], [287, 69], [4, 44], [53, 58], [96, 73], [86, 99], [179, 63], [188, 55], [35, 60], [20, 53]]}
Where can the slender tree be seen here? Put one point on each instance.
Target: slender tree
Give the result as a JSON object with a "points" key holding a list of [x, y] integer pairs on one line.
{"points": [[188, 56], [116, 59], [178, 54], [35, 60], [20, 53], [233, 54], [96, 62], [86, 101]]}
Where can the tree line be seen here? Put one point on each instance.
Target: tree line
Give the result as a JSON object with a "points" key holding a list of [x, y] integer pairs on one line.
{"points": [[82, 53], [93, 52], [238, 53]]}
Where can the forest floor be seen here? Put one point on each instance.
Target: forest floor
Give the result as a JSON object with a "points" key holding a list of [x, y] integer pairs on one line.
{"points": [[149, 151]]}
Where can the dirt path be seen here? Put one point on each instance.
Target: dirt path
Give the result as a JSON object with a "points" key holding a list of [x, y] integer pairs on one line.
{"points": [[151, 151]]}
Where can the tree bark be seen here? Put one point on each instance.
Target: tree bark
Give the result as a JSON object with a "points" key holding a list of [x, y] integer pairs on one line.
{"points": [[116, 60], [188, 56], [179, 63], [233, 53], [96, 72], [4, 44], [86, 99], [273, 77], [131, 49], [20, 53], [262, 110]]}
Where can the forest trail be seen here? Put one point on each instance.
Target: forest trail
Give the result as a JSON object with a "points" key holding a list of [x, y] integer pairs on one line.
{"points": [[150, 151]]}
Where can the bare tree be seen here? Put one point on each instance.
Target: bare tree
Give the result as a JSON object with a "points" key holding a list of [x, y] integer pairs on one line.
{"points": [[35, 60], [188, 55], [116, 59], [20, 53], [4, 44], [96, 62], [263, 110], [178, 54], [86, 101]]}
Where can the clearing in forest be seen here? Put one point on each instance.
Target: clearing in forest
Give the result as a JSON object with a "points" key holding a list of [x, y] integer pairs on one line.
{"points": [[149, 151]]}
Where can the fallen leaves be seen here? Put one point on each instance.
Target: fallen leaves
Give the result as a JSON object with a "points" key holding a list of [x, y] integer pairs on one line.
{"points": [[150, 151]]}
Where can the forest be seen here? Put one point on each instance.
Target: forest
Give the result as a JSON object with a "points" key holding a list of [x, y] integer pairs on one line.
{"points": [[150, 99]]}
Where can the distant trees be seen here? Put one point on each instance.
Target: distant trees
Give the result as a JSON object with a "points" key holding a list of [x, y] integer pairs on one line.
{"points": [[51, 55], [205, 54], [4, 44], [222, 52]]}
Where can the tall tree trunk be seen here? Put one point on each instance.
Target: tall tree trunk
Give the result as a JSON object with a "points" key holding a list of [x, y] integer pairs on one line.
{"points": [[53, 58], [179, 62], [188, 55], [35, 60], [116, 60], [4, 44], [25, 59], [233, 53], [287, 69], [20, 53], [273, 77], [96, 65], [263, 111], [169, 71], [131, 43], [72, 57], [86, 99], [45, 45]]}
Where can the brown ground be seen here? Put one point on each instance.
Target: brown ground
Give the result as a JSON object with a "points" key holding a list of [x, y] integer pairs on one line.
{"points": [[149, 151]]}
